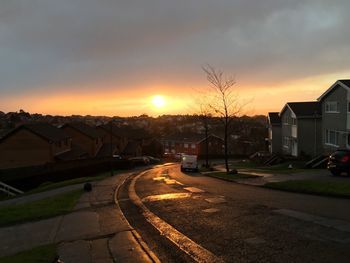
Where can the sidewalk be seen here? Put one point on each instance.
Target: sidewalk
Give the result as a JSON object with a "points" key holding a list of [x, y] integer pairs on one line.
{"points": [[96, 231]]}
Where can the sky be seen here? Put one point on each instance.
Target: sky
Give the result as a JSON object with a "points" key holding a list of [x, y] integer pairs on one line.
{"points": [[111, 57]]}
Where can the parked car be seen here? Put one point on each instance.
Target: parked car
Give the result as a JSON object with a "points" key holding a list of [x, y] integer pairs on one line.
{"points": [[339, 162], [153, 160]]}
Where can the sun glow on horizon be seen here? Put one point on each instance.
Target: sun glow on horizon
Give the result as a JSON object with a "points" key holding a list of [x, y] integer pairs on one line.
{"points": [[158, 101]]}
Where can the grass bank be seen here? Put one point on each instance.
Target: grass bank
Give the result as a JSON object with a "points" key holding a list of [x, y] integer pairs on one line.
{"points": [[41, 209], [283, 168], [39, 254], [335, 189]]}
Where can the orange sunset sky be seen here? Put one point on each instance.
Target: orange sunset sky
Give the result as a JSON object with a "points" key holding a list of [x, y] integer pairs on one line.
{"points": [[113, 57]]}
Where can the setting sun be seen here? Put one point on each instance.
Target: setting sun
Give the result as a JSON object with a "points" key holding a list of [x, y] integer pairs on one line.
{"points": [[158, 101]]}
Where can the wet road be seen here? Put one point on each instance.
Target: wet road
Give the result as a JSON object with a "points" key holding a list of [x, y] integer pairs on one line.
{"points": [[236, 223]]}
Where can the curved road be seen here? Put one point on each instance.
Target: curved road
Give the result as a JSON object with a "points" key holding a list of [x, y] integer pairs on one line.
{"points": [[237, 223]]}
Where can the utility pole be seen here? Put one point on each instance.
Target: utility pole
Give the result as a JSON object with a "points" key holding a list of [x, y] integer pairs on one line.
{"points": [[111, 145]]}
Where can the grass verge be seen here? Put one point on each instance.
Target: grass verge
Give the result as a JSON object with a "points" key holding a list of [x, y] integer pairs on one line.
{"points": [[39, 254], [41, 209], [283, 168], [50, 185], [335, 189], [231, 177]]}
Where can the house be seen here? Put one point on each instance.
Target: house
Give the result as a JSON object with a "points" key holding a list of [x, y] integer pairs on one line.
{"points": [[335, 104], [134, 139], [301, 130], [33, 144], [85, 136], [193, 144], [111, 138], [132, 149], [274, 133], [153, 148]]}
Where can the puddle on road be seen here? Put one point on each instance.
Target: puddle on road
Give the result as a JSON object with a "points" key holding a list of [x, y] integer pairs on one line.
{"points": [[211, 210], [153, 198], [194, 190], [216, 200], [170, 181], [159, 178]]}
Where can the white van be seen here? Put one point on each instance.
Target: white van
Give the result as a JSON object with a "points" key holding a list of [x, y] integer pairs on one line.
{"points": [[189, 162]]}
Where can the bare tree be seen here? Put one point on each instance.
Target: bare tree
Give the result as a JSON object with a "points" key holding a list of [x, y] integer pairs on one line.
{"points": [[224, 103], [205, 114]]}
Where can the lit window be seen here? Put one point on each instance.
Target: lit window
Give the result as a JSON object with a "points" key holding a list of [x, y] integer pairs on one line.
{"points": [[186, 145], [193, 146]]}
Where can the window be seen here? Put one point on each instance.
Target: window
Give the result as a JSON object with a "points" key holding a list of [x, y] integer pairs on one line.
{"points": [[294, 121], [186, 145], [286, 142], [193, 146], [348, 106], [332, 137], [332, 106], [348, 140]]}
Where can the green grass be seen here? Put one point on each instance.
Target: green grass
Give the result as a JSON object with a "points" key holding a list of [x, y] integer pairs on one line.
{"points": [[224, 175], [39, 254], [50, 185], [298, 166], [336, 189], [41, 209]]}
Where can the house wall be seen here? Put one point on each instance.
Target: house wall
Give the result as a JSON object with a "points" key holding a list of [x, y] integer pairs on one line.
{"points": [[175, 147], [91, 146], [119, 141], [335, 121], [275, 137], [23, 148], [286, 132], [310, 137]]}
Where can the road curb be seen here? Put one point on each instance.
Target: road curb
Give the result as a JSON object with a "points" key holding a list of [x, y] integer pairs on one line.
{"points": [[232, 181], [150, 254], [184, 243]]}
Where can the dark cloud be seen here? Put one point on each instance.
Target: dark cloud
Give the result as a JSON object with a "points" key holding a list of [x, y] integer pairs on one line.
{"points": [[47, 43]]}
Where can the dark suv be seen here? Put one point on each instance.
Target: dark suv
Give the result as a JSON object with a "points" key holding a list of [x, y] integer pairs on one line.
{"points": [[339, 162]]}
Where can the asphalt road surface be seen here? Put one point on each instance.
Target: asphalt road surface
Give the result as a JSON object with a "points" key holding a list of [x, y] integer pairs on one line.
{"points": [[236, 223]]}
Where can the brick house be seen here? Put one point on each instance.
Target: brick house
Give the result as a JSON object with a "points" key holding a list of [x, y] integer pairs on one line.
{"points": [[193, 144], [33, 144], [85, 136], [110, 136]]}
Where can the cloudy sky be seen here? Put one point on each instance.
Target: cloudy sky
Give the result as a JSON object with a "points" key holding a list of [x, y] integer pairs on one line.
{"points": [[111, 57]]}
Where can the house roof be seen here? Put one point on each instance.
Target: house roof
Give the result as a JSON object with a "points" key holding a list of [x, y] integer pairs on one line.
{"points": [[345, 83], [131, 147], [105, 150], [44, 130], [84, 129], [274, 118], [304, 109]]}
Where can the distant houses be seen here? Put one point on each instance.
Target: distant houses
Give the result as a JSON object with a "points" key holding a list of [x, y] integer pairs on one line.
{"points": [[37, 143], [308, 129]]}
